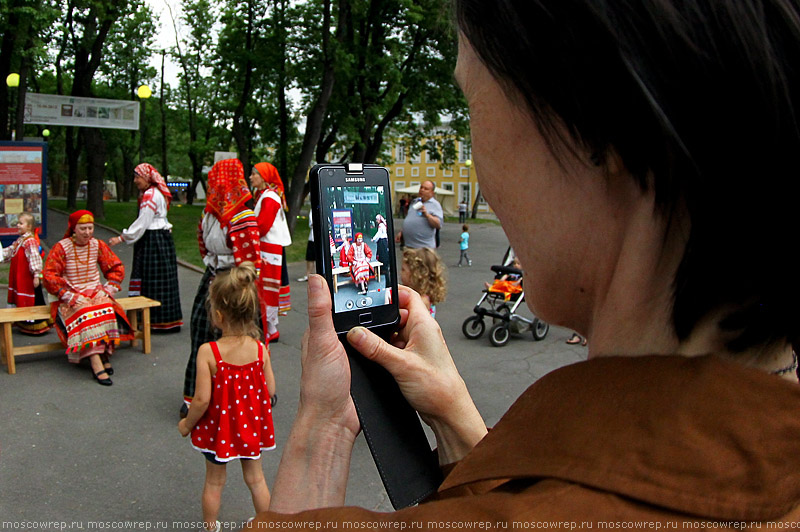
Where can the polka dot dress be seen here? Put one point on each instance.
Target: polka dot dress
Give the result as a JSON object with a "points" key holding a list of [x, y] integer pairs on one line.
{"points": [[238, 422]]}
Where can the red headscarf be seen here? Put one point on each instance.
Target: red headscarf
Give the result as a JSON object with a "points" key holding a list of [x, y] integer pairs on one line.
{"points": [[227, 190], [272, 178], [78, 217], [149, 173]]}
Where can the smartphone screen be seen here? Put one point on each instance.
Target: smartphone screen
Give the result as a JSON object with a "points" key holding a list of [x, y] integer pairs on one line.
{"points": [[357, 244]]}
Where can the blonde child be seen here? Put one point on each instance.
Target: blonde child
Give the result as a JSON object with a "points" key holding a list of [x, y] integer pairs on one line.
{"points": [[24, 277], [423, 270], [230, 415]]}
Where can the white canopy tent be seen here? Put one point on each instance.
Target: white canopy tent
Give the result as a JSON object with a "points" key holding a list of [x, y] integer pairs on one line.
{"points": [[445, 197]]}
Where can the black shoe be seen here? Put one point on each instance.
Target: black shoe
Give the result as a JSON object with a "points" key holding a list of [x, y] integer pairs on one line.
{"points": [[104, 382], [109, 369]]}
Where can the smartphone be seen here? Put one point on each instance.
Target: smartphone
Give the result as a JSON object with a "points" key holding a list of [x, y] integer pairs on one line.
{"points": [[354, 245]]}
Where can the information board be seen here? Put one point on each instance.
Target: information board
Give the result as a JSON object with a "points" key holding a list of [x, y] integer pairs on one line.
{"points": [[23, 186]]}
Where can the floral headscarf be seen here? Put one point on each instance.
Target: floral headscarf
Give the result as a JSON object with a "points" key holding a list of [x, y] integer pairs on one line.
{"points": [[227, 190], [149, 173], [272, 178], [78, 217]]}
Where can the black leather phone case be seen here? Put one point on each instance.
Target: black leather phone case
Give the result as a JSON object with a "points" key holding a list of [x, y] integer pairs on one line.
{"points": [[408, 467]]}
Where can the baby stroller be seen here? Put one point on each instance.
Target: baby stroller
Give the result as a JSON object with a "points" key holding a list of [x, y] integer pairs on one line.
{"points": [[502, 299]]}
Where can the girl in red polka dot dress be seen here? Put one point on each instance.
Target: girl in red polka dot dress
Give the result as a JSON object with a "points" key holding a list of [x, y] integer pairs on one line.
{"points": [[230, 416]]}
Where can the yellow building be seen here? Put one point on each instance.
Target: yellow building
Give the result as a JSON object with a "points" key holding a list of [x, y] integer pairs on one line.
{"points": [[454, 183]]}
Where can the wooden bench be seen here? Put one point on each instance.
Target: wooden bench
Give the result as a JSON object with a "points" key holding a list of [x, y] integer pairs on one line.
{"points": [[8, 316], [339, 270]]}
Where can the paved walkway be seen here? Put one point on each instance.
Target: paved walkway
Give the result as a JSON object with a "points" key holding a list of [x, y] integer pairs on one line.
{"points": [[78, 453]]}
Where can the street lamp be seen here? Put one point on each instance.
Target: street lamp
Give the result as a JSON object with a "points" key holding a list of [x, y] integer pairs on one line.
{"points": [[12, 80], [468, 164], [143, 92]]}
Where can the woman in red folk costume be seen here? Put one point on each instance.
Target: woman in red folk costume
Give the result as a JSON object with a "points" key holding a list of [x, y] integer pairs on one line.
{"points": [[24, 277], [274, 237], [155, 266], [88, 320], [358, 256], [227, 236]]}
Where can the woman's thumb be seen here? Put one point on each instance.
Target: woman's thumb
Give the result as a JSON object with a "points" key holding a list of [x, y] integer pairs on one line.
{"points": [[373, 347]]}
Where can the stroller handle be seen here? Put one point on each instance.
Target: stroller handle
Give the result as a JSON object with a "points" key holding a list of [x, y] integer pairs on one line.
{"points": [[502, 270]]}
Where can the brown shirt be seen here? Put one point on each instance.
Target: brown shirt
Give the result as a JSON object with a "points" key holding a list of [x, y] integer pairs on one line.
{"points": [[618, 443]]}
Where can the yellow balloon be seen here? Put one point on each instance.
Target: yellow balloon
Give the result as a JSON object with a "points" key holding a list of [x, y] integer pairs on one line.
{"points": [[13, 80], [144, 92]]}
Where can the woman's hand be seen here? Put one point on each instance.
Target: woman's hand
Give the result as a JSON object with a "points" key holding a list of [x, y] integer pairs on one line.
{"points": [[316, 460], [114, 240], [421, 364], [325, 381]]}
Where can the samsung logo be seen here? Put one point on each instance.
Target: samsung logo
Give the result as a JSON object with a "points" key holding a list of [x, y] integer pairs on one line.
{"points": [[357, 179]]}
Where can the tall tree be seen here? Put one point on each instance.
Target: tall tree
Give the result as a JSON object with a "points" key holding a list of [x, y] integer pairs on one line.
{"points": [[87, 24], [25, 25], [196, 89], [124, 68]]}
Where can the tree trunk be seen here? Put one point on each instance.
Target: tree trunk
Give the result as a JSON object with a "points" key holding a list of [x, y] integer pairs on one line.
{"points": [[475, 204], [297, 185], [164, 167], [73, 149], [95, 170]]}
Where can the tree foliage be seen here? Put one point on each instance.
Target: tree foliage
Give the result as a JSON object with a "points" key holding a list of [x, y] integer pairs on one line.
{"points": [[290, 82]]}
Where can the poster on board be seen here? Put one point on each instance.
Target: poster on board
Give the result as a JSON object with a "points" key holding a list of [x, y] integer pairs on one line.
{"points": [[55, 109], [23, 186]]}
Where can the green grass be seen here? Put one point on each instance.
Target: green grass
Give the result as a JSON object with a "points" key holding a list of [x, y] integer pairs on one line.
{"points": [[184, 219]]}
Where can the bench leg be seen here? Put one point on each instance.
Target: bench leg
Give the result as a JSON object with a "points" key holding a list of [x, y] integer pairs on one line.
{"points": [[146, 330], [133, 317], [8, 349]]}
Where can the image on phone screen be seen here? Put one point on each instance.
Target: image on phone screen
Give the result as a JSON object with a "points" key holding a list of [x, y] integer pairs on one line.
{"points": [[358, 234]]}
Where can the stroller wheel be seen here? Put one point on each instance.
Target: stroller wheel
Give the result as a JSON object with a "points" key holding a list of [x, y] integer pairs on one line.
{"points": [[499, 334], [539, 329], [473, 327], [505, 311]]}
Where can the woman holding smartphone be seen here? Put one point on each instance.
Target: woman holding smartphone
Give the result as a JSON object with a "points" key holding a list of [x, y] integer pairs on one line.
{"points": [[642, 158]]}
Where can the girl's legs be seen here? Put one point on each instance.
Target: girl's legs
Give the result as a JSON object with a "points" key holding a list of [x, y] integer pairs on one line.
{"points": [[212, 493], [254, 478]]}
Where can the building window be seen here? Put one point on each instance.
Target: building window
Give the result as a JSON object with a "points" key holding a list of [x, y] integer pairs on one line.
{"points": [[448, 186], [464, 152], [465, 192], [464, 172], [416, 159], [399, 184], [400, 154], [415, 171], [430, 171], [447, 173], [400, 172]]}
